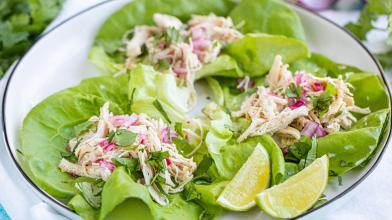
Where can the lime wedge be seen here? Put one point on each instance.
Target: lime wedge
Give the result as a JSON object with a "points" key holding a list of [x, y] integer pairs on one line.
{"points": [[298, 193], [252, 178]]}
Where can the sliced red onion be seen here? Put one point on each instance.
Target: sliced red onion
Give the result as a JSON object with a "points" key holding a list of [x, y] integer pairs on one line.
{"points": [[168, 161], [104, 143], [142, 139], [106, 164], [166, 137], [297, 104], [310, 129], [316, 5], [299, 78], [285, 151], [123, 120], [245, 84], [107, 146], [320, 132], [317, 86], [180, 71], [198, 33]]}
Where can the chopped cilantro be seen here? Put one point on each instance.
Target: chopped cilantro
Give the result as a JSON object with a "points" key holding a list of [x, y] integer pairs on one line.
{"points": [[131, 164], [321, 103], [182, 145], [172, 35], [71, 155], [293, 91], [162, 65], [312, 153], [111, 136], [124, 138]]}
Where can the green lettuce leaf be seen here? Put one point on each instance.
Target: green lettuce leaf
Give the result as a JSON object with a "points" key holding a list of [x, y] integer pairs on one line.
{"points": [[105, 63], [140, 12], [123, 198], [322, 66], [80, 206], [369, 91], [50, 125], [216, 90], [348, 149], [146, 85], [268, 16], [224, 65], [229, 156], [255, 53]]}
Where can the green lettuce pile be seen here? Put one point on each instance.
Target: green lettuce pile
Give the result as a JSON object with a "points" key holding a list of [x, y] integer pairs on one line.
{"points": [[271, 28]]}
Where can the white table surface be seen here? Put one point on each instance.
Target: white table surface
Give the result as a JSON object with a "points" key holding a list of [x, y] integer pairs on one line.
{"points": [[372, 199]]}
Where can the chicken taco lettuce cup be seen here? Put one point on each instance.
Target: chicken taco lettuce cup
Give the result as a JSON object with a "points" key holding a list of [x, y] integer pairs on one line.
{"points": [[124, 145]]}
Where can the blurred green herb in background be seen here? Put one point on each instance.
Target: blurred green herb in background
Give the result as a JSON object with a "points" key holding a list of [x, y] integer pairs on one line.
{"points": [[370, 13], [21, 21]]}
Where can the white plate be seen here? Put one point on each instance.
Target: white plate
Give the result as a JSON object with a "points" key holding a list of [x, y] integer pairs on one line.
{"points": [[59, 60]]}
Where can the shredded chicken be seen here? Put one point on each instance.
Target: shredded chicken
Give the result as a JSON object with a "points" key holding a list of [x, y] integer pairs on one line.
{"points": [[198, 42], [274, 123], [134, 47], [279, 76], [94, 152], [167, 21], [286, 106]]}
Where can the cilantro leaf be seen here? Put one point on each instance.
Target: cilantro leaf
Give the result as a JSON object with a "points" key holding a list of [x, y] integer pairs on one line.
{"points": [[293, 91], [370, 13], [131, 164], [172, 35], [21, 21], [71, 155], [299, 150], [124, 138], [385, 59], [182, 145], [312, 153], [159, 155], [321, 103]]}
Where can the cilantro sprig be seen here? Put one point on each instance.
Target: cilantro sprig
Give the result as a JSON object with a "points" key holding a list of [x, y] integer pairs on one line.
{"points": [[373, 10], [293, 91], [321, 103]]}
